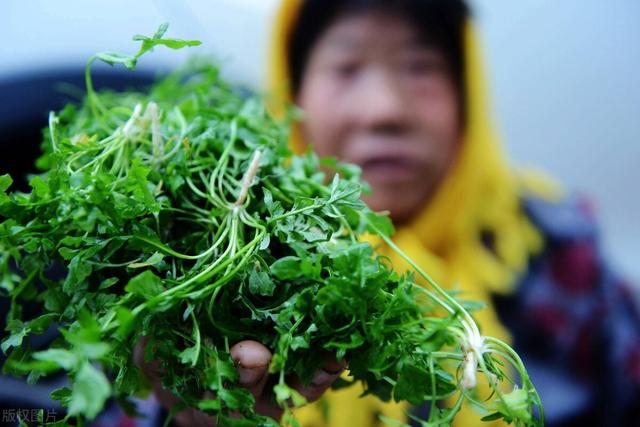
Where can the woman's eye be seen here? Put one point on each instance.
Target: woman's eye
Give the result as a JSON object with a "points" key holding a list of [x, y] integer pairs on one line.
{"points": [[422, 66], [346, 70]]}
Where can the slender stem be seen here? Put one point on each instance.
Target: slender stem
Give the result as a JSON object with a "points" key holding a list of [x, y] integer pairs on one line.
{"points": [[167, 250], [459, 309], [246, 252], [222, 161], [53, 121], [432, 406], [195, 189], [294, 212], [91, 94]]}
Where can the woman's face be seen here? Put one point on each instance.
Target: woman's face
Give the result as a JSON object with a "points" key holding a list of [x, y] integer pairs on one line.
{"points": [[374, 94]]}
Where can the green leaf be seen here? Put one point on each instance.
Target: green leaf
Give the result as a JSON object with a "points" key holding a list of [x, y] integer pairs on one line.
{"points": [[112, 58], [140, 185], [189, 356], [89, 392], [79, 270], [5, 183], [62, 395], [148, 43], [277, 364], [299, 341], [515, 405], [379, 224], [94, 350], [126, 321], [14, 340], [145, 284], [152, 260], [63, 358], [236, 398], [220, 371], [55, 300], [413, 385], [67, 253], [260, 283], [286, 268], [85, 335], [492, 417], [107, 283], [40, 324], [209, 405], [162, 29], [71, 241], [283, 393], [264, 243], [40, 188]]}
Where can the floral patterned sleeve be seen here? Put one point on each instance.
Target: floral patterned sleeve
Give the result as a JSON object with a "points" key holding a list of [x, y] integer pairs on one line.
{"points": [[576, 323]]}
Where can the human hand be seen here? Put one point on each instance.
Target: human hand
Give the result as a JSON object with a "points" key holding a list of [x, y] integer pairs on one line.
{"points": [[252, 362]]}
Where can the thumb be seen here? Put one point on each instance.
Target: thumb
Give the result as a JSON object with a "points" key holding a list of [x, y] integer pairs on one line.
{"points": [[252, 362]]}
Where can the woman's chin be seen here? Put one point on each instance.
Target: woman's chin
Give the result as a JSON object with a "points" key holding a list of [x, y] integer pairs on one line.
{"points": [[401, 204]]}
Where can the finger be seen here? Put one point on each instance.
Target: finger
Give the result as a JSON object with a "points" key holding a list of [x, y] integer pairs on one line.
{"points": [[252, 362], [150, 368], [266, 406], [332, 364], [194, 418], [321, 380]]}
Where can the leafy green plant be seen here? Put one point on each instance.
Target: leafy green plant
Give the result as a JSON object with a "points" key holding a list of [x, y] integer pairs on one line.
{"points": [[180, 214]]}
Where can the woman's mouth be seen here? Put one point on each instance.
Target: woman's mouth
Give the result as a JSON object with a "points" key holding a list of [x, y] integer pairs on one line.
{"points": [[387, 169]]}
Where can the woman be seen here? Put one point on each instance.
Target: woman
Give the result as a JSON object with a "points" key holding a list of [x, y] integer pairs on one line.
{"points": [[397, 87]]}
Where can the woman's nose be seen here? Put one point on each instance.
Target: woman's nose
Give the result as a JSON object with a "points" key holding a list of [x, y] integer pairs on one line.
{"points": [[379, 102]]}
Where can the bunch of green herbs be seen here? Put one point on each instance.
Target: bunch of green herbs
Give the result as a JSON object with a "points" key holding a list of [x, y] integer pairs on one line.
{"points": [[181, 215]]}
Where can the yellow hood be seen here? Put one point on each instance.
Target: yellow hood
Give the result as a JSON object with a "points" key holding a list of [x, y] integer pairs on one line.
{"points": [[479, 196]]}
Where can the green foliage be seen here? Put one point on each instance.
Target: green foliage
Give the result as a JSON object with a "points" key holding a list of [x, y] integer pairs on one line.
{"points": [[180, 214]]}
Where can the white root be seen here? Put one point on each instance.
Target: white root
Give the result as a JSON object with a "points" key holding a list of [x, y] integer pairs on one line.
{"points": [[248, 179], [156, 136], [473, 350], [469, 376], [127, 130]]}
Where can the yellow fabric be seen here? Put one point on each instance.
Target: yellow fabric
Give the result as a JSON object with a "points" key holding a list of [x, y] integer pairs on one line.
{"points": [[479, 193]]}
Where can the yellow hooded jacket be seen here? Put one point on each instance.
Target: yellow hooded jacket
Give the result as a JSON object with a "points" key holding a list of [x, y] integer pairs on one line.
{"points": [[480, 194]]}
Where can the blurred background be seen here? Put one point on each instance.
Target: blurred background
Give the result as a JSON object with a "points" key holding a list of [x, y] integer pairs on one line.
{"points": [[564, 79]]}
